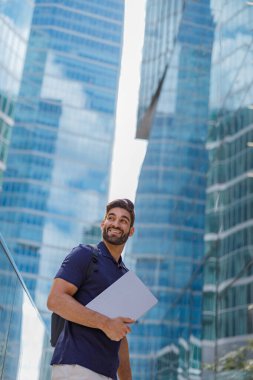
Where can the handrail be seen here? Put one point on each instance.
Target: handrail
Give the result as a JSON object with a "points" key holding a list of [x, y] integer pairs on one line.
{"points": [[15, 268]]}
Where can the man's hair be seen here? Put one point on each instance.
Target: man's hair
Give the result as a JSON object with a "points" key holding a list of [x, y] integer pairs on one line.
{"points": [[122, 203]]}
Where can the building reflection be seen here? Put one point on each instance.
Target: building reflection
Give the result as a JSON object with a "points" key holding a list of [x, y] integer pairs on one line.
{"points": [[24, 338], [56, 181], [193, 238]]}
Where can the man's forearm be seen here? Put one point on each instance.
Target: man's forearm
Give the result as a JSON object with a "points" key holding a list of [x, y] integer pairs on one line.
{"points": [[124, 371], [67, 307]]}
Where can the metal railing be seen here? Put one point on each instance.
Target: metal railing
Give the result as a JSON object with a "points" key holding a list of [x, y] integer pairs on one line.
{"points": [[24, 342]]}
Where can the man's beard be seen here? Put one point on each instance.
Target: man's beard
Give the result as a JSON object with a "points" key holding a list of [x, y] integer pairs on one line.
{"points": [[115, 240]]}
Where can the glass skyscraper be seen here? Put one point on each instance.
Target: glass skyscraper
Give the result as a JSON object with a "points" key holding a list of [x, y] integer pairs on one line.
{"points": [[170, 203], [193, 240], [58, 168], [15, 20], [228, 280]]}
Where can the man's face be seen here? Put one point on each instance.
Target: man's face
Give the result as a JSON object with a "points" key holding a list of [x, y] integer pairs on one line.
{"points": [[116, 226]]}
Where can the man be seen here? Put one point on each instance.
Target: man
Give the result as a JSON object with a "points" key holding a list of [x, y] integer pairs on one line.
{"points": [[93, 346]]}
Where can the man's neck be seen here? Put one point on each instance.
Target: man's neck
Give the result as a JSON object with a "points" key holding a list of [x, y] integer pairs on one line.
{"points": [[115, 250]]}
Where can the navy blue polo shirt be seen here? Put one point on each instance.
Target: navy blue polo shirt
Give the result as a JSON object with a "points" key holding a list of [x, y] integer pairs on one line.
{"points": [[78, 344]]}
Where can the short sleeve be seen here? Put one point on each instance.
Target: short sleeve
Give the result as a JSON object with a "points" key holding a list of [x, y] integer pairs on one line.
{"points": [[75, 265]]}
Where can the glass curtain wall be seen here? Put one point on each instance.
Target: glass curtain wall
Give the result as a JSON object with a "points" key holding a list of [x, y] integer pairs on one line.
{"points": [[56, 183], [24, 354], [170, 204], [184, 360], [15, 20], [228, 281]]}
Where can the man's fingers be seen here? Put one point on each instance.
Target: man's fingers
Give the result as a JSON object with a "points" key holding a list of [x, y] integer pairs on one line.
{"points": [[118, 328], [127, 320]]}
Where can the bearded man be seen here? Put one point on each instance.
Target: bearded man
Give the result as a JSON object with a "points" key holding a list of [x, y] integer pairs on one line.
{"points": [[93, 346]]}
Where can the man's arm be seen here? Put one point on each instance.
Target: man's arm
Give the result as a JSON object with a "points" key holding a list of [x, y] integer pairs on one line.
{"points": [[124, 371], [61, 301]]}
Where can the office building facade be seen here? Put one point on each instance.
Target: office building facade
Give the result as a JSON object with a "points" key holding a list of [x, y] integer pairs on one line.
{"points": [[228, 281], [15, 21], [56, 183], [194, 234], [170, 203]]}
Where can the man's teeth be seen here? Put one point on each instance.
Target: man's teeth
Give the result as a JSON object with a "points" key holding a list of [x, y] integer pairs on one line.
{"points": [[114, 230]]}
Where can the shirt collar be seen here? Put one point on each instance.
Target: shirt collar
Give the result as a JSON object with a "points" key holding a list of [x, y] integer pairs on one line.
{"points": [[105, 252]]}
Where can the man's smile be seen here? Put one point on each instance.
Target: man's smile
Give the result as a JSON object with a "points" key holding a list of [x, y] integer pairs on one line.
{"points": [[114, 231]]}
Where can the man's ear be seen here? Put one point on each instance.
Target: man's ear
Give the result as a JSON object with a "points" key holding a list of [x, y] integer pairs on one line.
{"points": [[131, 231]]}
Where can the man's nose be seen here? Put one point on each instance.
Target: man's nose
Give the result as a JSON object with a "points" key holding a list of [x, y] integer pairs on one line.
{"points": [[115, 223]]}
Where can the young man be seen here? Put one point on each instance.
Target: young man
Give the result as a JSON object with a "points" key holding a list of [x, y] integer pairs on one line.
{"points": [[93, 346]]}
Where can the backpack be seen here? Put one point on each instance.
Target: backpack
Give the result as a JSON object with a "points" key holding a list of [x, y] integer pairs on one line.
{"points": [[57, 322]]}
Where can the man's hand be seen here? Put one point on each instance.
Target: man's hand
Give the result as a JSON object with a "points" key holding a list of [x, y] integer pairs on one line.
{"points": [[62, 302], [117, 328]]}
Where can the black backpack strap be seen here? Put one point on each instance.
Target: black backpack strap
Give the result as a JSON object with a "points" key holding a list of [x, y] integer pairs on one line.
{"points": [[94, 259], [57, 325]]}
